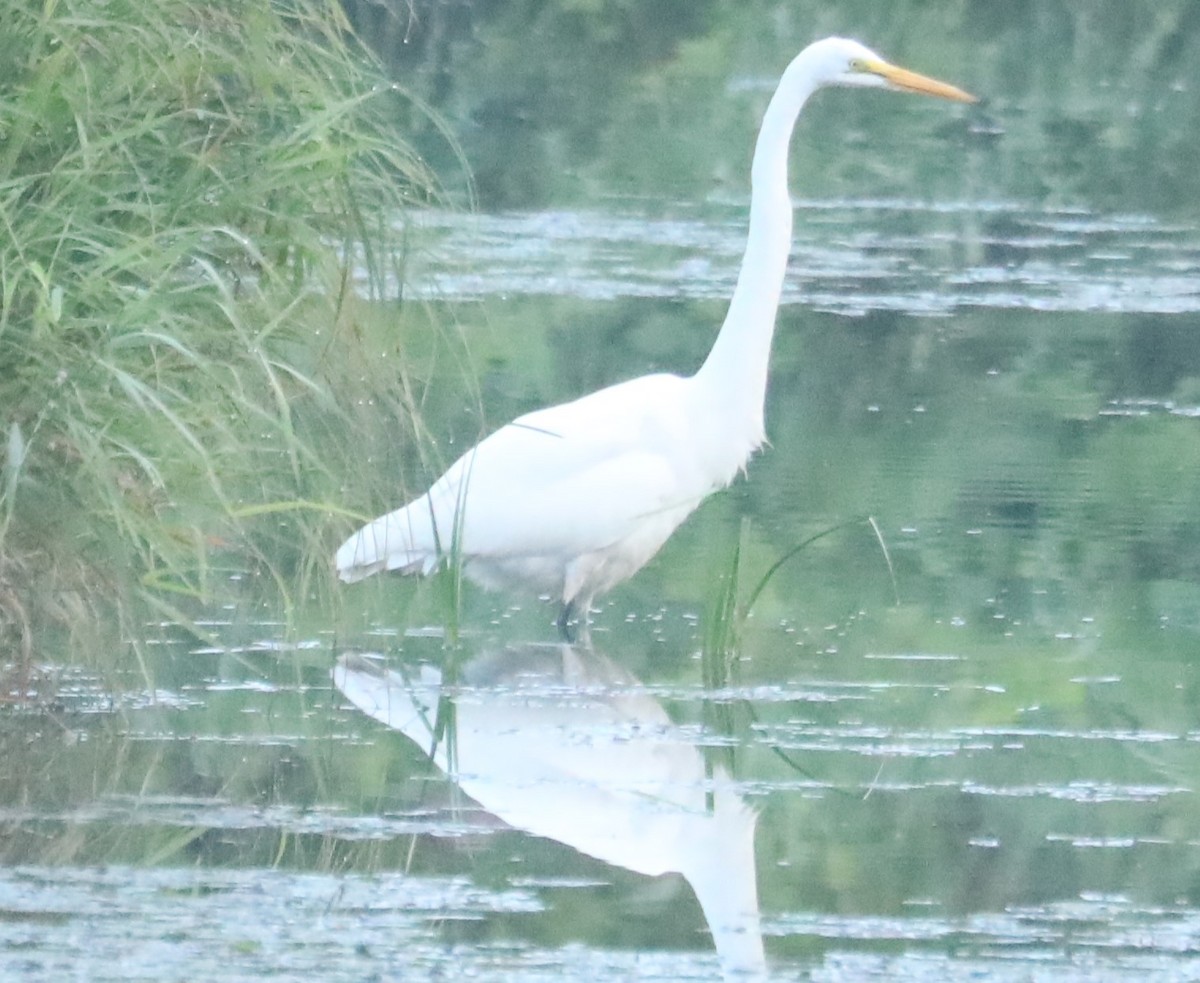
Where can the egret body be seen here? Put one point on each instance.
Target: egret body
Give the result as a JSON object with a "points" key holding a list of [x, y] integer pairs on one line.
{"points": [[573, 499]]}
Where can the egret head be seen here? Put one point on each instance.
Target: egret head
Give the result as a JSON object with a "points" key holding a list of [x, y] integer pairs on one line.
{"points": [[843, 62]]}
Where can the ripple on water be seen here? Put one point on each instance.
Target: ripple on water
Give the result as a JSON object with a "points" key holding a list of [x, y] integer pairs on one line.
{"points": [[128, 923], [1093, 938], [848, 257], [185, 812]]}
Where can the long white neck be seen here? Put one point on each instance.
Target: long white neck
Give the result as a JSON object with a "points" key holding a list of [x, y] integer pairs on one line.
{"points": [[734, 376], [721, 868]]}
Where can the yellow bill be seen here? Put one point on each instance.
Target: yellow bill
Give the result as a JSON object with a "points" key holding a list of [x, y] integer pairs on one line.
{"points": [[902, 78]]}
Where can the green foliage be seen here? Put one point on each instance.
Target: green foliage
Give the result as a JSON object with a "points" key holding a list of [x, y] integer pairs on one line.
{"points": [[192, 195], [535, 89], [1083, 101]]}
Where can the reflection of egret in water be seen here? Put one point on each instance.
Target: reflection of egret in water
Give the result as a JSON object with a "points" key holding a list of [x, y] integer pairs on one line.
{"points": [[556, 740]]}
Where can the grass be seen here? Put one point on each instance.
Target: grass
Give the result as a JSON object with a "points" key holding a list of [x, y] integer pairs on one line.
{"points": [[198, 201], [727, 611], [728, 608]]}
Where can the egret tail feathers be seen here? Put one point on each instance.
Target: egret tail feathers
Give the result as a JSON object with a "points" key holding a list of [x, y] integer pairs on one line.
{"points": [[391, 542]]}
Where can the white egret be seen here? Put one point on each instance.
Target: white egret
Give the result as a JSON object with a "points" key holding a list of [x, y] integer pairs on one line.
{"points": [[573, 499]]}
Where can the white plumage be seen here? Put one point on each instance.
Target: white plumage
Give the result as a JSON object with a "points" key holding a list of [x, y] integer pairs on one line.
{"points": [[573, 499]]}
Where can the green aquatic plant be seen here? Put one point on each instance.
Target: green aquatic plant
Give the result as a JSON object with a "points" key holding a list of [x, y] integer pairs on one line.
{"points": [[725, 616], [195, 202], [727, 609]]}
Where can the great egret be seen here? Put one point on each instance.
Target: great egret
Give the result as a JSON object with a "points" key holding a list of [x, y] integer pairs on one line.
{"points": [[573, 499]]}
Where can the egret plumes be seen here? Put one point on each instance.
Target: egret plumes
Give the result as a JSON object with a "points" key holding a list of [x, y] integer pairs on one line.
{"points": [[573, 499]]}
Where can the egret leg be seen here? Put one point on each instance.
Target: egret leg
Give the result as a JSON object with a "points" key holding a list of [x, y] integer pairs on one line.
{"points": [[583, 635], [574, 625], [566, 622]]}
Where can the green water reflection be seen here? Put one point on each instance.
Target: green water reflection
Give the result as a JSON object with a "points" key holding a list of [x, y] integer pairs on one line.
{"points": [[553, 102], [972, 747]]}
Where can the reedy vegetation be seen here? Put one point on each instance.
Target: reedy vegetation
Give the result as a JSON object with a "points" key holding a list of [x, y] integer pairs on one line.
{"points": [[195, 199]]}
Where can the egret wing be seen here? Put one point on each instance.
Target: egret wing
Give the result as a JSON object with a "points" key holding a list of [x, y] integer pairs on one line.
{"points": [[555, 483]]}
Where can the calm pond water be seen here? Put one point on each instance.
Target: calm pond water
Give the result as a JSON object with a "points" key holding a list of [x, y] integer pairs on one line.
{"points": [[954, 738], [968, 756]]}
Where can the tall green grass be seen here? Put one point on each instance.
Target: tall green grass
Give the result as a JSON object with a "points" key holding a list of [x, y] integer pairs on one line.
{"points": [[196, 199], [726, 613]]}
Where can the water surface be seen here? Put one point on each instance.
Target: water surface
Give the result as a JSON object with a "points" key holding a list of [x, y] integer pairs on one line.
{"points": [[960, 742]]}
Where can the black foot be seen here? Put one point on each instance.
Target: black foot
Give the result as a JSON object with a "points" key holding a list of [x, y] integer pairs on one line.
{"points": [[566, 622]]}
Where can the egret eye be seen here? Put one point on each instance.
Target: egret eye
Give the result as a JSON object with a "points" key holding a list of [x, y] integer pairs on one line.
{"points": [[857, 65]]}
